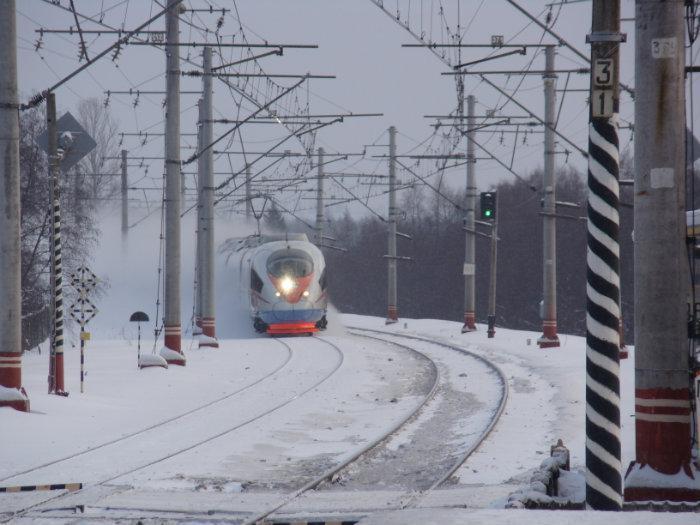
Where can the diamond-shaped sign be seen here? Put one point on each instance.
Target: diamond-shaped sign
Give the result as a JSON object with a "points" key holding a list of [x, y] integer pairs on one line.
{"points": [[72, 139], [82, 310], [83, 279]]}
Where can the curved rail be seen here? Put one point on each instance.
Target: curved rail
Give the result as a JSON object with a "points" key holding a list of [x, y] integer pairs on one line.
{"points": [[487, 431], [199, 443], [156, 425], [328, 474]]}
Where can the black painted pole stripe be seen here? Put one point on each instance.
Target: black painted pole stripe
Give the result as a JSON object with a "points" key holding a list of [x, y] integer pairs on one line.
{"points": [[603, 450]]}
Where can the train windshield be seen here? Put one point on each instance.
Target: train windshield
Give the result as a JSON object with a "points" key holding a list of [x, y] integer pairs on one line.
{"points": [[291, 262]]}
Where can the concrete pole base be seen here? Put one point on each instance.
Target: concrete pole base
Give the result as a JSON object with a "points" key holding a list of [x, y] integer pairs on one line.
{"points": [[14, 398], [392, 315], [549, 338], [172, 351], [643, 483], [208, 336], [469, 322]]}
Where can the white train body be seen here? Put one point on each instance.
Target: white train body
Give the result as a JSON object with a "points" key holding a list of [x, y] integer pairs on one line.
{"points": [[286, 279]]}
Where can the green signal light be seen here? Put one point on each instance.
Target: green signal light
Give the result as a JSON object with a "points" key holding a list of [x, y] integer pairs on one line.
{"points": [[487, 213]]}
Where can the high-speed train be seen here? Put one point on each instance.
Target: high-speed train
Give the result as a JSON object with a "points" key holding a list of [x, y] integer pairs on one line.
{"points": [[286, 278]]}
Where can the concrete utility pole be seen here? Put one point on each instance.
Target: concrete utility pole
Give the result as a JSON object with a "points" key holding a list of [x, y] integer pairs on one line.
{"points": [[603, 459], [197, 330], [469, 227], [319, 200], [248, 195], [10, 252], [492, 281], [172, 351], [661, 273], [206, 226], [125, 195], [392, 311], [56, 377], [549, 228]]}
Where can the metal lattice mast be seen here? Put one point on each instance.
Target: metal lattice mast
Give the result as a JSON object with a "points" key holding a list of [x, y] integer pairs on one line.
{"points": [[661, 273], [10, 252], [319, 200], [172, 323], [125, 195], [603, 459], [206, 226], [469, 226], [549, 228], [56, 378], [392, 310]]}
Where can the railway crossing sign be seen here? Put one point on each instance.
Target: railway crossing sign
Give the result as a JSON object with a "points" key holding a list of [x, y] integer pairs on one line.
{"points": [[82, 310]]}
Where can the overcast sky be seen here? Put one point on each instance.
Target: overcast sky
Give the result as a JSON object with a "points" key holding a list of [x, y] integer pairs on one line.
{"points": [[360, 45]]}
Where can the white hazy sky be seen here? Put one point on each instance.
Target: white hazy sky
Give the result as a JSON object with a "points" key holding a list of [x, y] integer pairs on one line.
{"points": [[359, 44]]}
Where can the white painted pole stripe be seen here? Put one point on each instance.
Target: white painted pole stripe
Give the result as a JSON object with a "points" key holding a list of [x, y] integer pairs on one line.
{"points": [[603, 238], [662, 418], [602, 300], [599, 267], [603, 455], [604, 209], [602, 390], [602, 332], [597, 139], [673, 403], [602, 422], [601, 487]]}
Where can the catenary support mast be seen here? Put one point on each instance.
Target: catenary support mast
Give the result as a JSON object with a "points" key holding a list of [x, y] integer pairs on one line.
{"points": [[319, 201], [10, 252], [125, 195], [392, 309], [661, 273], [206, 226], [603, 459], [549, 232], [469, 226], [172, 322]]}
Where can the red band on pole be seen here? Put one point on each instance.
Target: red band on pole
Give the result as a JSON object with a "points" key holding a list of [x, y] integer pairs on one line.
{"points": [[469, 322]]}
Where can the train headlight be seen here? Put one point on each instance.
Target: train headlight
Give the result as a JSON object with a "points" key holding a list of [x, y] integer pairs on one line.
{"points": [[287, 284], [306, 293]]}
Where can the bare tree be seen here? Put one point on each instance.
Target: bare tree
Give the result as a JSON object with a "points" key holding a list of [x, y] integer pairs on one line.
{"points": [[94, 173]]}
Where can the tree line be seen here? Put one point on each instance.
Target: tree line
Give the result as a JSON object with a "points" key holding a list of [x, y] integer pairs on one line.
{"points": [[431, 285]]}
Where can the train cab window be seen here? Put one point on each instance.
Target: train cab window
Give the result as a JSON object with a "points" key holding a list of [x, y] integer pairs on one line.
{"points": [[323, 281], [256, 283], [291, 262]]}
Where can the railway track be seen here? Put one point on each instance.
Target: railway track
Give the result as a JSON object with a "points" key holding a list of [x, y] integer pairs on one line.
{"points": [[409, 499], [415, 496], [181, 450]]}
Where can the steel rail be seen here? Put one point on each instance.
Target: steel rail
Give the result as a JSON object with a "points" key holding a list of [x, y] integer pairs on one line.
{"points": [[336, 367], [505, 393], [328, 474]]}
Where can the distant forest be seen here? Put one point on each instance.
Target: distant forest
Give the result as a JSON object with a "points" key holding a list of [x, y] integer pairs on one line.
{"points": [[432, 284]]}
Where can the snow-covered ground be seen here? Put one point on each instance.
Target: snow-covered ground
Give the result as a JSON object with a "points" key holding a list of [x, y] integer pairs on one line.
{"points": [[376, 384], [239, 428]]}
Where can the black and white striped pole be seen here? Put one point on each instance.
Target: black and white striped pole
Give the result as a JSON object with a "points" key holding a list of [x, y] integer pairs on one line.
{"points": [[603, 460], [56, 378]]}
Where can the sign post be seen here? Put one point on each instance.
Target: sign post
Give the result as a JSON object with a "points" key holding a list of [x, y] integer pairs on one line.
{"points": [[84, 281]]}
